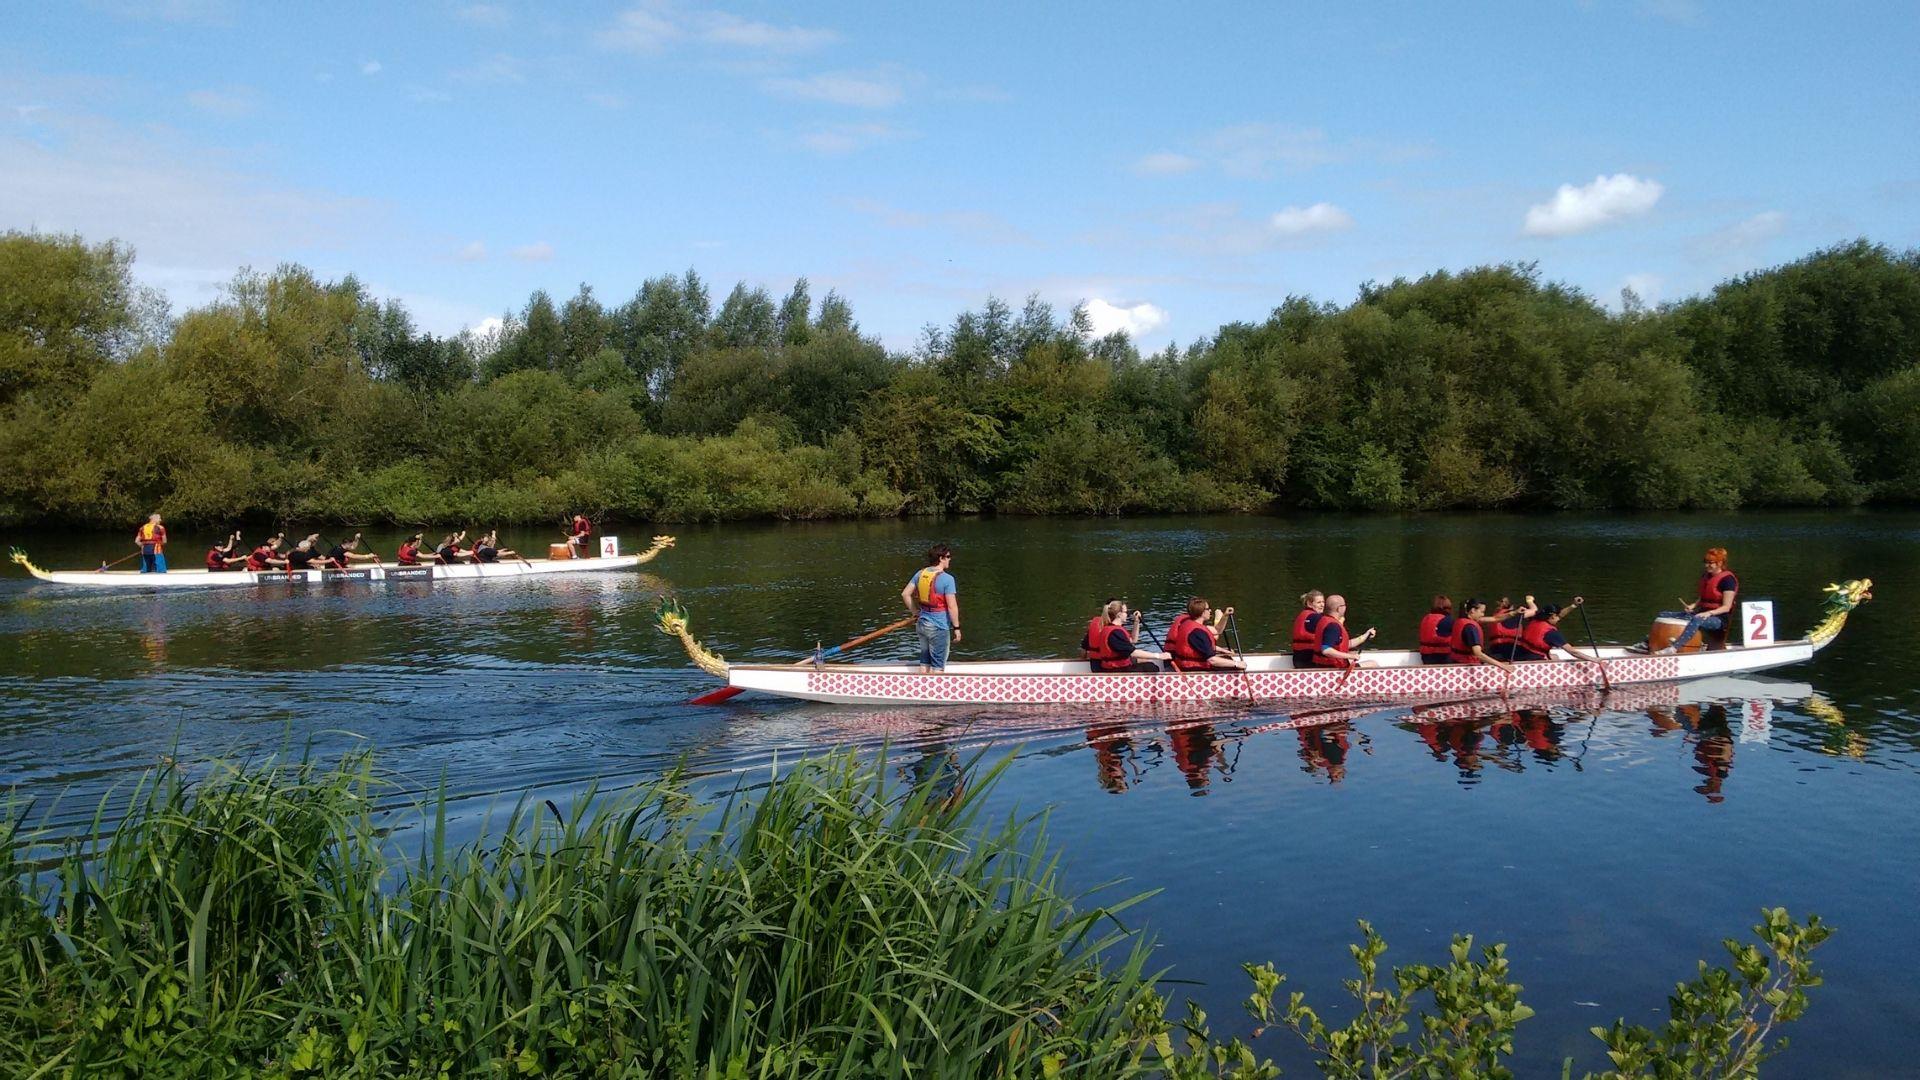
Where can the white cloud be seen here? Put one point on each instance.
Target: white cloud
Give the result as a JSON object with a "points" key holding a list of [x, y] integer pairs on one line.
{"points": [[230, 102], [607, 101], [846, 138], [1165, 163], [1300, 220], [499, 69], [473, 252], [539, 251], [370, 67], [1645, 286], [648, 28], [484, 14], [1135, 320], [1606, 200], [1754, 231], [879, 89], [486, 327]]}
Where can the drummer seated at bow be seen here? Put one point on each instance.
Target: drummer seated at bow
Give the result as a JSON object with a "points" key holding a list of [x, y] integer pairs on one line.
{"points": [[1193, 641], [579, 533], [226, 556], [1110, 645], [1335, 648], [1542, 636], [1467, 645], [1712, 613]]}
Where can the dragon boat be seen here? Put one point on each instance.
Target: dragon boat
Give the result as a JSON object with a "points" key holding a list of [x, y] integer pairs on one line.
{"points": [[361, 572], [1270, 677]]}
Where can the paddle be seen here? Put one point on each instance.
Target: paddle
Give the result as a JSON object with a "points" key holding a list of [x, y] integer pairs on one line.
{"points": [[105, 566], [1240, 652], [714, 697], [1606, 683]]}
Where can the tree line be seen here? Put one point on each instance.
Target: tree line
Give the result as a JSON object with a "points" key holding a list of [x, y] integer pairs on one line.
{"points": [[293, 397]]}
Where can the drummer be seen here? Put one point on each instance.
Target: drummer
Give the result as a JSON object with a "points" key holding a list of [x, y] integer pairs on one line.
{"points": [[579, 531], [1713, 611]]}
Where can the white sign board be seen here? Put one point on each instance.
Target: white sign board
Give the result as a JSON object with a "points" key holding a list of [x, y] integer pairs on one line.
{"points": [[609, 547], [1756, 622]]}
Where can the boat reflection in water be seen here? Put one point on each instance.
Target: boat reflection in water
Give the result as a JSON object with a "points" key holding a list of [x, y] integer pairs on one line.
{"points": [[1200, 746]]}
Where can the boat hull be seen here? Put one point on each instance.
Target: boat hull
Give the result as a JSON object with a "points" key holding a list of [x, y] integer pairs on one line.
{"points": [[369, 573], [1269, 678]]}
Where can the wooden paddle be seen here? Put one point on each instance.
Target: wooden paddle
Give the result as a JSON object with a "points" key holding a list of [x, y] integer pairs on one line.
{"points": [[105, 566], [714, 697]]}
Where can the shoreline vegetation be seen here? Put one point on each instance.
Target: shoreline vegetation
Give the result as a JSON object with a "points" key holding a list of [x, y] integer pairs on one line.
{"points": [[290, 398], [265, 920]]}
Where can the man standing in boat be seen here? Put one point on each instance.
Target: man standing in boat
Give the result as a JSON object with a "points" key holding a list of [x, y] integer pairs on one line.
{"points": [[934, 601], [151, 539], [1713, 611]]}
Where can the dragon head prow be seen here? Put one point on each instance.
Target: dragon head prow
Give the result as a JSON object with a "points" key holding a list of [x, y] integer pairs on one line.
{"points": [[672, 618], [1842, 598]]}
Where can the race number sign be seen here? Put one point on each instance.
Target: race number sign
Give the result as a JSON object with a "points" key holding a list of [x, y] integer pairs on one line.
{"points": [[609, 547], [1756, 622]]}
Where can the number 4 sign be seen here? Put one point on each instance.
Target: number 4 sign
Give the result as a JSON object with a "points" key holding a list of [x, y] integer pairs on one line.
{"points": [[1756, 622], [609, 547]]}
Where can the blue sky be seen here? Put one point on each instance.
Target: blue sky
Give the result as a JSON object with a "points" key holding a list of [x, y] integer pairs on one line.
{"points": [[1174, 166]]}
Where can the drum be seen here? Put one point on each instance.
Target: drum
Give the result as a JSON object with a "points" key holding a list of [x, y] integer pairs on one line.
{"points": [[559, 551], [1666, 629]]}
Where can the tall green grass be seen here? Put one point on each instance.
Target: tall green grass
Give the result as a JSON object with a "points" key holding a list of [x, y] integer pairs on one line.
{"points": [[259, 921]]}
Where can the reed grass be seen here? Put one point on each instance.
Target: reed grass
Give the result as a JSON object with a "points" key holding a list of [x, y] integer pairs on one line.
{"points": [[262, 921]]}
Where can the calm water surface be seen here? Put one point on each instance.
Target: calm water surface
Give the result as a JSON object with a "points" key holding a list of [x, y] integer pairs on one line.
{"points": [[1611, 843]]}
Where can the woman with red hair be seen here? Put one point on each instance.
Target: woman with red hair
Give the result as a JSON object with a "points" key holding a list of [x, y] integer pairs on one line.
{"points": [[1713, 611]]}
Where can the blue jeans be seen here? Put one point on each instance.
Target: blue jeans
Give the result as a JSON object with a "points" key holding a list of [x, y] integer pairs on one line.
{"points": [[1695, 624], [934, 642], [152, 562]]}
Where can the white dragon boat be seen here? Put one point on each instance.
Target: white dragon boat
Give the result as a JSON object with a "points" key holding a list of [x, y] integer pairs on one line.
{"points": [[1393, 676], [361, 572]]}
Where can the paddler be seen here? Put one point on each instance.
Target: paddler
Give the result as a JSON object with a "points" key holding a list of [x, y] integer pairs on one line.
{"points": [[151, 540], [409, 553], [225, 556], [1468, 643], [1436, 631], [933, 599], [1713, 611], [1110, 645], [449, 549], [1542, 636], [348, 552], [1506, 624], [579, 531], [1334, 648], [302, 557], [266, 555], [487, 549], [1193, 640], [1306, 626]]}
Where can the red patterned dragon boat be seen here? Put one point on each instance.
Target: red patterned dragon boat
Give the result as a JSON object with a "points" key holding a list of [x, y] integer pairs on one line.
{"points": [[1270, 677]]}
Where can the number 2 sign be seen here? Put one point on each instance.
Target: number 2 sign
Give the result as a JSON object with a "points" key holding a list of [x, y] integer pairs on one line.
{"points": [[1756, 622]]}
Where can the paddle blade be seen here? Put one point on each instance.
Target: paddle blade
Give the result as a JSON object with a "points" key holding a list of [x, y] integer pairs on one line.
{"points": [[715, 697]]}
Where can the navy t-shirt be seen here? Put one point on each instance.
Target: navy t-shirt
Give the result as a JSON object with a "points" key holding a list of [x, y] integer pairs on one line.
{"points": [[1329, 635]]}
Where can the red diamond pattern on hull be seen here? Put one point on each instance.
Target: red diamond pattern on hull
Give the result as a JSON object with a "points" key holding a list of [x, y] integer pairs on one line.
{"points": [[1332, 683]]}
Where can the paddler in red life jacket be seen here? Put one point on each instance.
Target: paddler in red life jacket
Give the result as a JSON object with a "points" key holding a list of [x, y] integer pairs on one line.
{"points": [[1306, 626], [267, 555], [1336, 648], [1110, 645], [1194, 639], [151, 540], [409, 553], [1505, 625], [1542, 636], [933, 599], [1468, 643], [1713, 611], [225, 556], [1436, 631]]}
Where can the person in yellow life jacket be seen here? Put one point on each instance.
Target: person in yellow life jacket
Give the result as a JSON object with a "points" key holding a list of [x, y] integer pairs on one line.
{"points": [[151, 540], [1194, 639], [934, 600]]}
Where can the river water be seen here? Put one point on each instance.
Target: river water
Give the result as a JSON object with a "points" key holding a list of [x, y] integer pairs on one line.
{"points": [[1610, 842]]}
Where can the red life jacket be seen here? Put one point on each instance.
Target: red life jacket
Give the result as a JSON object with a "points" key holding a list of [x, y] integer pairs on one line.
{"points": [[1534, 641], [1100, 648], [1710, 591], [1305, 627], [1461, 648], [214, 560], [257, 558], [1500, 635], [1181, 647], [1319, 651], [1431, 641], [408, 555], [581, 527]]}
